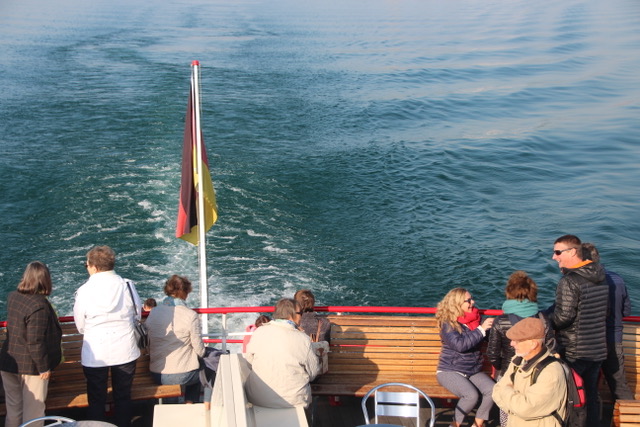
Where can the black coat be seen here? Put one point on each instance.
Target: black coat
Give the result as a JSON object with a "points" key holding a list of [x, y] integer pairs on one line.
{"points": [[580, 312], [499, 350], [33, 338]]}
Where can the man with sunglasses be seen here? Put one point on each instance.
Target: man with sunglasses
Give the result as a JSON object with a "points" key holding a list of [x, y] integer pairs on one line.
{"points": [[579, 318]]}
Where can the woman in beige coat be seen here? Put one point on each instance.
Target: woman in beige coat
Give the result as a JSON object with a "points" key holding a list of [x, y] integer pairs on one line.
{"points": [[175, 343], [283, 361]]}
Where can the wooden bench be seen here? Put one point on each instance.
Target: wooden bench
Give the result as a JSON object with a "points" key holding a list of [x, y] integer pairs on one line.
{"points": [[67, 387], [626, 413], [368, 350]]}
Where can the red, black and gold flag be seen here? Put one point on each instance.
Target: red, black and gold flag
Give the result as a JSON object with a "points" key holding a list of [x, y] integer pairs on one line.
{"points": [[188, 221]]}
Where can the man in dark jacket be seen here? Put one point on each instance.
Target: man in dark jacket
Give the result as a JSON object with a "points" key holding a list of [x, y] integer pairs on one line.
{"points": [[579, 318], [619, 307]]}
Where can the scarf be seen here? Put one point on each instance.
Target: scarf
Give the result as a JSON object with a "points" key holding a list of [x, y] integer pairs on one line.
{"points": [[524, 308], [172, 302], [287, 321], [470, 319]]}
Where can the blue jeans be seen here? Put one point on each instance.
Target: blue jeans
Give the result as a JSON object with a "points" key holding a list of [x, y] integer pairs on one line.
{"points": [[190, 380]]}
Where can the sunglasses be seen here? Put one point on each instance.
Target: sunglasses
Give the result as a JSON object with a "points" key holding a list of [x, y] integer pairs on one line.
{"points": [[468, 301], [558, 251]]}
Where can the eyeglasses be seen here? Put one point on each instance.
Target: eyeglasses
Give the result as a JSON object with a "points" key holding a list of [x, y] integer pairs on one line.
{"points": [[558, 251], [468, 301]]}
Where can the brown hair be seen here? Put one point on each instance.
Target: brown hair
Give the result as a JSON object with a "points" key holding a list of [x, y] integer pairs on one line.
{"points": [[286, 308], [103, 258], [150, 302], [520, 287], [590, 252], [36, 279], [306, 300], [261, 320], [178, 287]]}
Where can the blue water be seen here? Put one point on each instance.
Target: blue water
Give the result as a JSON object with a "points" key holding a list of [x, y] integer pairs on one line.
{"points": [[377, 152]]}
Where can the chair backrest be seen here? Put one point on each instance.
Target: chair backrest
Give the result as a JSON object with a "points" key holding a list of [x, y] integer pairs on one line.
{"points": [[56, 421], [397, 404]]}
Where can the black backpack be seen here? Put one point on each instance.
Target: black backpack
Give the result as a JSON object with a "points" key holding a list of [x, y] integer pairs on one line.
{"points": [[576, 397]]}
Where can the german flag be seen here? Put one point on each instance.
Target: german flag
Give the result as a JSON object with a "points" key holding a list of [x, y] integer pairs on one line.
{"points": [[188, 221]]}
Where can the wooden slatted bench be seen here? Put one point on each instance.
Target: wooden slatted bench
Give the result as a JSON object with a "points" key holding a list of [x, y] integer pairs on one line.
{"points": [[631, 345], [67, 387], [626, 413], [368, 350]]}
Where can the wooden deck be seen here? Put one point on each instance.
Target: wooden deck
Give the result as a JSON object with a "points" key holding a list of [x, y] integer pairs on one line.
{"points": [[346, 414]]}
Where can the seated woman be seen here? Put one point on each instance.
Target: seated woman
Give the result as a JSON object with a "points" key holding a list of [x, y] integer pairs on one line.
{"points": [[460, 365], [521, 301], [174, 341], [316, 326], [282, 359]]}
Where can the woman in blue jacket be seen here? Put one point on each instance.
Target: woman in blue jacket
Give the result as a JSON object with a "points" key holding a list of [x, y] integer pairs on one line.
{"points": [[460, 364]]}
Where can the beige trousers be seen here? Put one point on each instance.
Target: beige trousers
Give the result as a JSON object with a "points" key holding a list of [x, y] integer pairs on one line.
{"points": [[24, 397]]}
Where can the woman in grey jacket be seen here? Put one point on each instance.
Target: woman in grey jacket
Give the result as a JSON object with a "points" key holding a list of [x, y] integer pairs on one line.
{"points": [[460, 364]]}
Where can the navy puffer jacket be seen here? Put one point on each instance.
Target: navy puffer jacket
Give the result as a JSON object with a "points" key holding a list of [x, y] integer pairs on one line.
{"points": [[460, 350], [580, 311]]}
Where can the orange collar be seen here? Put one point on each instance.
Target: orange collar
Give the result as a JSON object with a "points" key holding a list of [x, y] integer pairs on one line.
{"points": [[581, 264]]}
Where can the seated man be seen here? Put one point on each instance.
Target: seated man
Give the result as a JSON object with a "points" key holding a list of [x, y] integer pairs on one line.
{"points": [[528, 402], [283, 361]]}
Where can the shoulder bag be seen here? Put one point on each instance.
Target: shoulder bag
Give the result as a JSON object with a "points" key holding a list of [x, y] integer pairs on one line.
{"points": [[139, 328]]}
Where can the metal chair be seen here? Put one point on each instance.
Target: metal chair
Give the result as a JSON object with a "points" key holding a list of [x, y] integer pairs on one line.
{"points": [[56, 421], [397, 404]]}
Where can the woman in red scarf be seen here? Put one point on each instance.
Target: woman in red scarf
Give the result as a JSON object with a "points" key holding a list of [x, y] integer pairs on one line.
{"points": [[460, 364]]}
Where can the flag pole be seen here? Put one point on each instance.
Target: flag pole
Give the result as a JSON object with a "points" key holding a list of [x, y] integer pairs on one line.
{"points": [[202, 247]]}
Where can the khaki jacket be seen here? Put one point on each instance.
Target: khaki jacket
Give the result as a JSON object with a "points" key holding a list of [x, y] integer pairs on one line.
{"points": [[532, 405], [283, 363], [174, 338]]}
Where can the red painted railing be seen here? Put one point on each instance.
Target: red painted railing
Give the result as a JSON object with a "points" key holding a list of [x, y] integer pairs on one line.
{"points": [[329, 309]]}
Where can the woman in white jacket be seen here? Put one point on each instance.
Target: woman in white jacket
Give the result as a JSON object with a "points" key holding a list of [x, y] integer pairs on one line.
{"points": [[104, 312], [175, 341], [283, 361]]}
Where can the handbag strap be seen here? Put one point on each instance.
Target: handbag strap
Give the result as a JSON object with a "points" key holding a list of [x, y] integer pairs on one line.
{"points": [[133, 300]]}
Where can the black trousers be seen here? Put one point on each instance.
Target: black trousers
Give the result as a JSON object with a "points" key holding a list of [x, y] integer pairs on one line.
{"points": [[121, 380]]}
